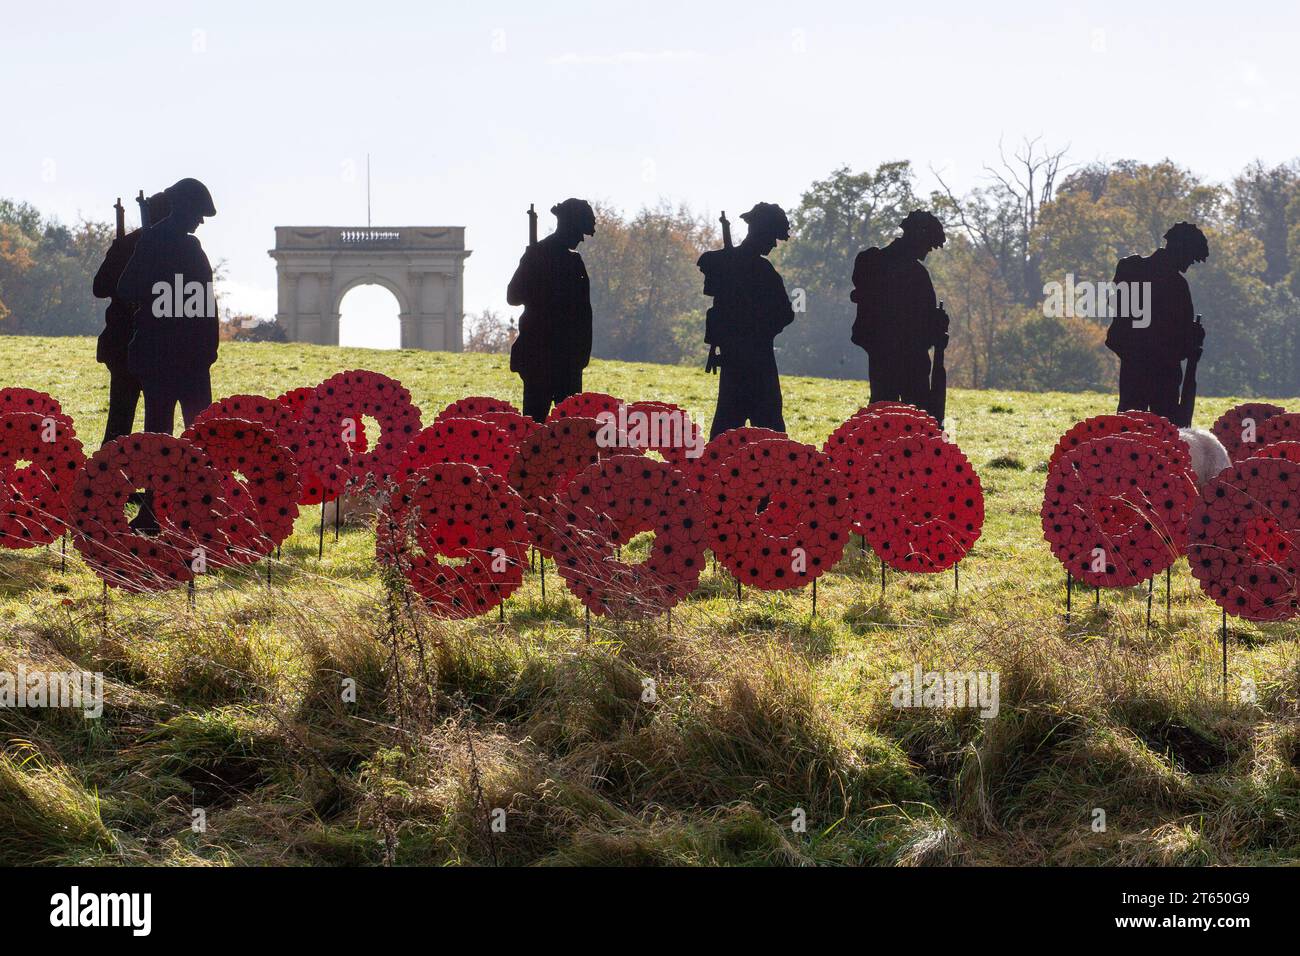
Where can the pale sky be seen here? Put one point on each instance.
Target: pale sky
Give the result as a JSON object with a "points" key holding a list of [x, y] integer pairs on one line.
{"points": [[471, 111]]}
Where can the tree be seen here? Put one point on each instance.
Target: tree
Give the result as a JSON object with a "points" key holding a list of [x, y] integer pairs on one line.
{"points": [[489, 332], [1054, 354], [46, 271], [1266, 203], [645, 288], [970, 283], [1002, 219]]}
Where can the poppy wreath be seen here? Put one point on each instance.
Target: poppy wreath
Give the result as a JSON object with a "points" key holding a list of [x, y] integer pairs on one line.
{"points": [[778, 513], [458, 512], [855, 441], [1285, 450], [1234, 425], [273, 413], [258, 469], [585, 405], [664, 428], [922, 502], [1279, 428], [344, 398], [699, 471], [1119, 501], [900, 408], [1125, 423], [472, 441], [34, 498], [1245, 538], [276, 415], [328, 447], [14, 399], [475, 406], [612, 501], [187, 502], [517, 426], [553, 454], [548, 522]]}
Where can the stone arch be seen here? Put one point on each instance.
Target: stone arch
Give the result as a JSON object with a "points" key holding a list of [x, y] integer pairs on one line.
{"points": [[422, 266], [395, 309], [394, 285]]}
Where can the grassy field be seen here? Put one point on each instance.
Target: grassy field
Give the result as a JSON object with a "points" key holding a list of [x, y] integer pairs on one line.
{"points": [[764, 714]]}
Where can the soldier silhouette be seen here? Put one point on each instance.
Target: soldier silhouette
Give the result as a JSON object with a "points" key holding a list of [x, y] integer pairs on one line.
{"points": [[119, 325], [1152, 346], [750, 308], [551, 283], [899, 319], [176, 328]]}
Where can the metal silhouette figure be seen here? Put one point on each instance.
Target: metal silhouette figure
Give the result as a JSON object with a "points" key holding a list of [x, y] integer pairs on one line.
{"points": [[119, 318], [899, 318], [554, 342], [1153, 342], [176, 328], [750, 308]]}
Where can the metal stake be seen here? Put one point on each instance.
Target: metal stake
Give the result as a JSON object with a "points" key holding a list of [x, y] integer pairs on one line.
{"points": [[1151, 591], [1169, 572], [1224, 638]]}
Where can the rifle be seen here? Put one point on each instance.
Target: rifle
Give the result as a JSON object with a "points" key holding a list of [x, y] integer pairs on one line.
{"points": [[532, 225], [1187, 401], [144, 210], [121, 217], [712, 363], [939, 382]]}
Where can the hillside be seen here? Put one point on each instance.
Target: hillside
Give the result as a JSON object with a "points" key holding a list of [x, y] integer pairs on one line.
{"points": [[233, 707]]}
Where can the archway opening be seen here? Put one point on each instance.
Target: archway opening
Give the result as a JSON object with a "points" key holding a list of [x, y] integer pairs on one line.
{"points": [[368, 318]]}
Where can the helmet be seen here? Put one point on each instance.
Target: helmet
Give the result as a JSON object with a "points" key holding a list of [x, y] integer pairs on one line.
{"points": [[1187, 238], [768, 217], [191, 195], [578, 212], [159, 207], [926, 226]]}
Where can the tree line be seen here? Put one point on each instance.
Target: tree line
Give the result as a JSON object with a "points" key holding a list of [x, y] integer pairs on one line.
{"points": [[1035, 219]]}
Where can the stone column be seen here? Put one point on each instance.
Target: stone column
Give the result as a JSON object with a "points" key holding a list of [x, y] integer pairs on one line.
{"points": [[454, 333], [410, 330]]}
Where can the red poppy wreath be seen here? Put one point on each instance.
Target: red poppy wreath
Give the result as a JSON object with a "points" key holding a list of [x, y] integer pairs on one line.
{"points": [[453, 512], [192, 516], [778, 514], [922, 503], [258, 469], [609, 503], [585, 405], [306, 441], [1238, 428], [1245, 538], [472, 441], [1115, 509], [39, 460], [475, 406]]}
